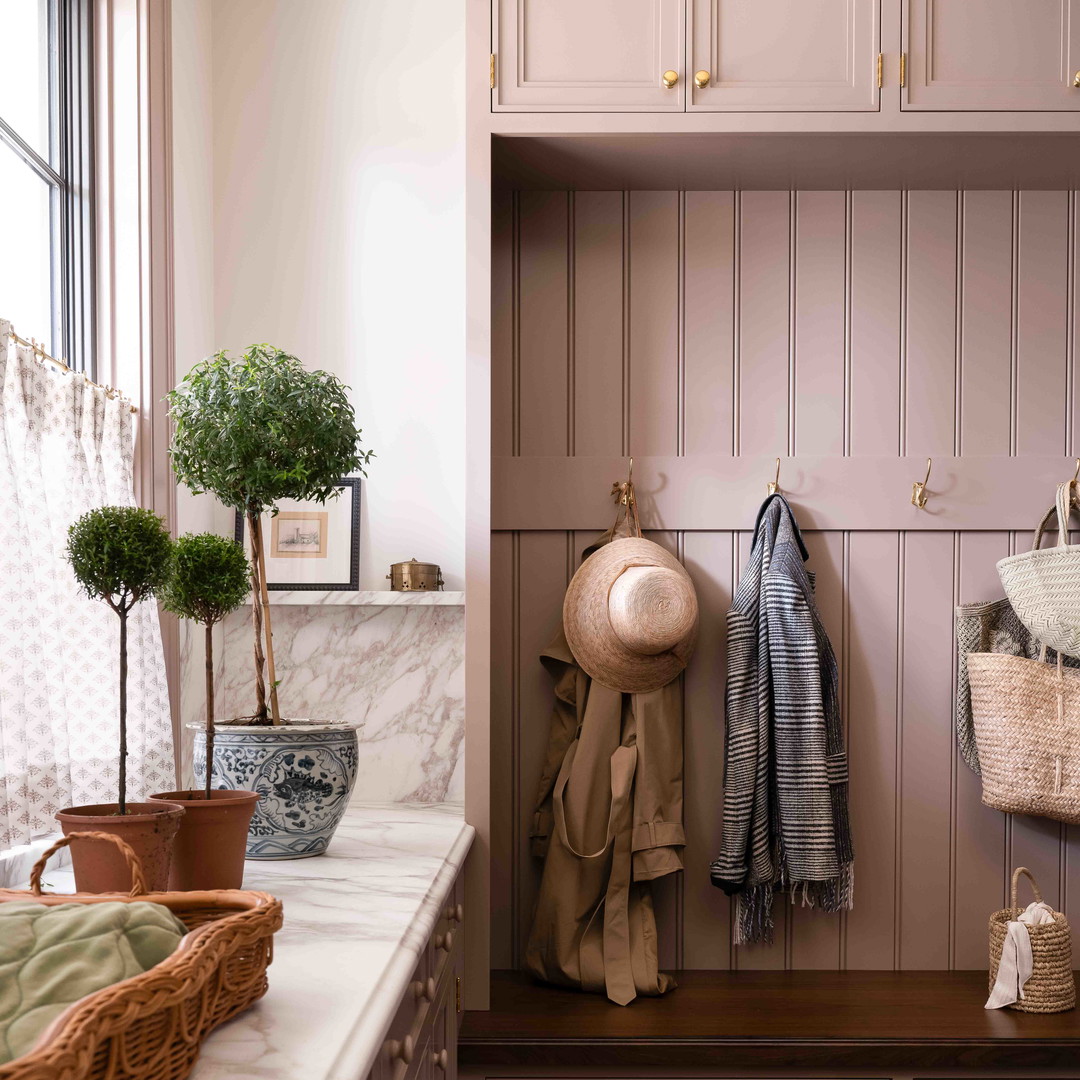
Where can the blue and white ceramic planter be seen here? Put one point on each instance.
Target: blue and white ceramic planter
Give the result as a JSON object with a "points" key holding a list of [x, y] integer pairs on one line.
{"points": [[304, 772]]}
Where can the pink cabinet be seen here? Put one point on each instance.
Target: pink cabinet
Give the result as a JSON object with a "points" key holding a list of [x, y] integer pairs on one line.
{"points": [[783, 55], [992, 55], [586, 55]]}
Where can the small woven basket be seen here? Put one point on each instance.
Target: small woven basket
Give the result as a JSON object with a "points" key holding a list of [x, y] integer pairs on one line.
{"points": [[1051, 987], [150, 1027]]}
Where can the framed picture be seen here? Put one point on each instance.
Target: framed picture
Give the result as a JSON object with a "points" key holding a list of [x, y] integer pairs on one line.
{"points": [[312, 546]]}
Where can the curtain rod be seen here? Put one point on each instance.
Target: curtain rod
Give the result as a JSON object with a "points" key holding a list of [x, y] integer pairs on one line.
{"points": [[39, 352]]}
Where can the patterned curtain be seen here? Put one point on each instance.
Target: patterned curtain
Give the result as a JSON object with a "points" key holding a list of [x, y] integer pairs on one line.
{"points": [[65, 448]]}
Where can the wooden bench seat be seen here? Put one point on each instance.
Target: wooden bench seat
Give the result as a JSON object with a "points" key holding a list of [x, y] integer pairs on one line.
{"points": [[882, 1020]]}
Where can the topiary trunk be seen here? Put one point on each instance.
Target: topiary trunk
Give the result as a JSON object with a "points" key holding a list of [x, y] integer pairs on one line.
{"points": [[261, 714], [122, 800], [260, 622], [209, 703]]}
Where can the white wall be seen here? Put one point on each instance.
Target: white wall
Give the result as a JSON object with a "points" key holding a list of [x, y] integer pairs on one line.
{"points": [[193, 214], [318, 171], [338, 234], [193, 281]]}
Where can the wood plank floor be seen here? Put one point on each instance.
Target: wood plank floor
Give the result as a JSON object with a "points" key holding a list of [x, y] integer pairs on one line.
{"points": [[758, 1018]]}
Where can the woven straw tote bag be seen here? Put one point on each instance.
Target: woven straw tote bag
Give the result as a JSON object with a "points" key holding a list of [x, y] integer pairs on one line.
{"points": [[1044, 586], [1027, 731], [988, 627], [1051, 987]]}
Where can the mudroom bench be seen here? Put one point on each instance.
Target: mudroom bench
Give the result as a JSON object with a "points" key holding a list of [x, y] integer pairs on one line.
{"points": [[886, 1025]]}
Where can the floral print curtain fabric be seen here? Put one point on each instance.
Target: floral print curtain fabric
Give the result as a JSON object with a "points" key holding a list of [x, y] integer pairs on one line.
{"points": [[65, 448]]}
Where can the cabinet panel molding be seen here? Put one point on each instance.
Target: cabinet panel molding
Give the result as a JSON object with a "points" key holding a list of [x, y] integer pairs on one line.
{"points": [[784, 55], [581, 55], [993, 55]]}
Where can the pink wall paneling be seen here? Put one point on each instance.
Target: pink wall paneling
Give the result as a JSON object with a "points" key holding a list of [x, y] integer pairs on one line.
{"points": [[852, 334], [707, 491]]}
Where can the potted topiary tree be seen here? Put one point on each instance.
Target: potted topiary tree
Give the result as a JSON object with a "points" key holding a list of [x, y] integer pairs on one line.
{"points": [[121, 555], [209, 579], [254, 430]]}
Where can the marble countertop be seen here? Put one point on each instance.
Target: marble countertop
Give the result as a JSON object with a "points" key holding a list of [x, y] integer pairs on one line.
{"points": [[356, 921]]}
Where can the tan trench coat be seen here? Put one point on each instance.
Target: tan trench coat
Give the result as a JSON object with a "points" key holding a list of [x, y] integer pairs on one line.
{"points": [[608, 820]]}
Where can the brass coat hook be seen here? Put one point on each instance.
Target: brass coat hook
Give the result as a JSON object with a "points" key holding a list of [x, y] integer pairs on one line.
{"points": [[918, 489], [773, 486], [623, 491], [623, 494]]}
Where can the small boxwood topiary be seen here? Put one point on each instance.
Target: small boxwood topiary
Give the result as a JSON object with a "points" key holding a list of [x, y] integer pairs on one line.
{"points": [[120, 554], [209, 579]]}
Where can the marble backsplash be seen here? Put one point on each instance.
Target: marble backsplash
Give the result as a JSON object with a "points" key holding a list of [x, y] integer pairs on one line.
{"points": [[396, 673]]}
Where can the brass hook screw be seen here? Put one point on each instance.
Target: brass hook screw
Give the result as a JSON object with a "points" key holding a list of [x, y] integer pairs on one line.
{"points": [[918, 489], [773, 486]]}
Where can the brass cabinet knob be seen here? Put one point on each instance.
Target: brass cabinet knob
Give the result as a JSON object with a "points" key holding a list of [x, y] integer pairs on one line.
{"points": [[402, 1050], [701, 79], [440, 1059], [1076, 80], [669, 78]]}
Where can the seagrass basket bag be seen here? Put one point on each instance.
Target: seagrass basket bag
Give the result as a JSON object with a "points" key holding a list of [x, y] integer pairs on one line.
{"points": [[1043, 586], [150, 1027], [1051, 987], [1026, 716]]}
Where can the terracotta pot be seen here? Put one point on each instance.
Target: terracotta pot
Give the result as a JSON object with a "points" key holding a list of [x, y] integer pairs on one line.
{"points": [[208, 852], [148, 829]]}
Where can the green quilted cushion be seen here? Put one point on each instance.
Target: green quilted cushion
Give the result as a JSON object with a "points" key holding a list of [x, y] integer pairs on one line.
{"points": [[52, 956]]}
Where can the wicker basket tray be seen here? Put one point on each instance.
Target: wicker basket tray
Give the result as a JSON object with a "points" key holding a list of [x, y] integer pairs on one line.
{"points": [[150, 1027]]}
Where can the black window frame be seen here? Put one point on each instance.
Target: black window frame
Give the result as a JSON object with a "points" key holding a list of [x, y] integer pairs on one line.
{"points": [[69, 172]]}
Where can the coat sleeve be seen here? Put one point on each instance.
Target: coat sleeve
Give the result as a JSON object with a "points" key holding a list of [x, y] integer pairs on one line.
{"points": [[570, 684], [801, 744], [742, 749], [658, 836]]}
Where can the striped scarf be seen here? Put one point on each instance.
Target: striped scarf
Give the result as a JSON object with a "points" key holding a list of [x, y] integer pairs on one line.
{"points": [[785, 782]]}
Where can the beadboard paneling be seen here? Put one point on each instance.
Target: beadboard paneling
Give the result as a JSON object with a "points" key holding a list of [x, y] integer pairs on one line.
{"points": [[708, 332]]}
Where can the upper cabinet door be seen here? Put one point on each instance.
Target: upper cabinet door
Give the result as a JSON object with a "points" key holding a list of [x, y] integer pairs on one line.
{"points": [[583, 55], [783, 55], [992, 54]]}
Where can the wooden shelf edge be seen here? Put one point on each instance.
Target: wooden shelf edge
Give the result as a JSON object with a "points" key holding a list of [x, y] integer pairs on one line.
{"points": [[369, 598]]}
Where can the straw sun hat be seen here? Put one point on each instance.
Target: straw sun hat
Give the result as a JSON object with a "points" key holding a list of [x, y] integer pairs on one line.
{"points": [[631, 616]]}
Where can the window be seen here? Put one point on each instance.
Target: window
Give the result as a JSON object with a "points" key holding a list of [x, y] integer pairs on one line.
{"points": [[46, 170]]}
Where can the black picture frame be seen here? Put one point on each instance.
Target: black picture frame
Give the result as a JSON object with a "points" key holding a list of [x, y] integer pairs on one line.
{"points": [[352, 483]]}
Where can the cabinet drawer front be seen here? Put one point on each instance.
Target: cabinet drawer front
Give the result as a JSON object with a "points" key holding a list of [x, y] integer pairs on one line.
{"points": [[581, 55], [784, 55], [993, 55]]}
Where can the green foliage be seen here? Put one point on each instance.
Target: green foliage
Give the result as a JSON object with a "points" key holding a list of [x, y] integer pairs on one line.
{"points": [[208, 580], [120, 554], [259, 428]]}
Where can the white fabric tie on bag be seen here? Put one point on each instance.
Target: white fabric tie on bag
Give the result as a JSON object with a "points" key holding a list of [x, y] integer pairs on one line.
{"points": [[1015, 967]]}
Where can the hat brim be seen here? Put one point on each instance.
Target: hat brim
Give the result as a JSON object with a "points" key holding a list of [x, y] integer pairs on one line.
{"points": [[593, 642]]}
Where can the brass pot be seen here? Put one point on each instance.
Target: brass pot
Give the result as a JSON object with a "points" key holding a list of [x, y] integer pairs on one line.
{"points": [[413, 576]]}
